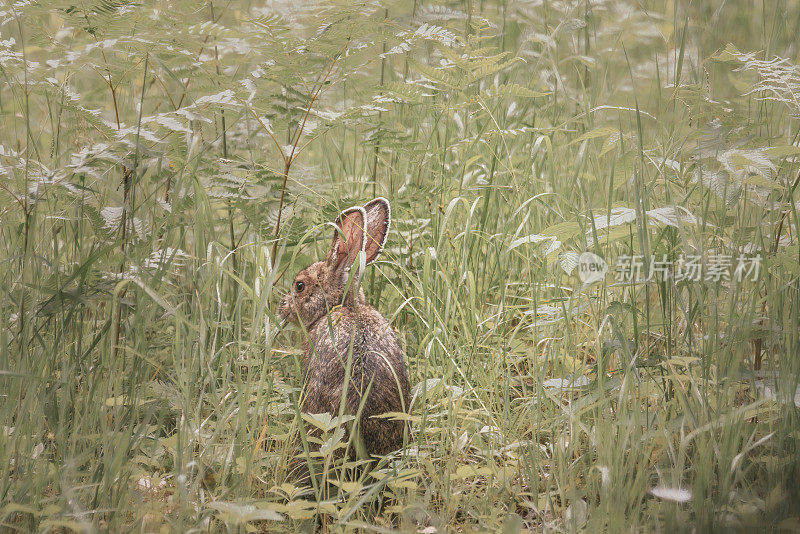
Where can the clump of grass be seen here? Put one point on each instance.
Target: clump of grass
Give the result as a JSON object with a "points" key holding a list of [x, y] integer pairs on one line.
{"points": [[165, 169]]}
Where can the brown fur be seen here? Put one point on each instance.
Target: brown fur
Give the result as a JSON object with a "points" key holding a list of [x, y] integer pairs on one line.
{"points": [[360, 333]]}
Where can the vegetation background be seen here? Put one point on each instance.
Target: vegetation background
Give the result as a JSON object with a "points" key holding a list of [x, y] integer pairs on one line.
{"points": [[166, 167]]}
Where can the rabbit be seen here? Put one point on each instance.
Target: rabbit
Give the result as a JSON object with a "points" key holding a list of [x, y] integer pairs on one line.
{"points": [[328, 294]]}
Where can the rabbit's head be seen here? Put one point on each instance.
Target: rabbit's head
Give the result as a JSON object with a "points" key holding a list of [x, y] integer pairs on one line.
{"points": [[328, 283]]}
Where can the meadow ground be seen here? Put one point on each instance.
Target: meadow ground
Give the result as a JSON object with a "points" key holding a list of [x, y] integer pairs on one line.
{"points": [[166, 167]]}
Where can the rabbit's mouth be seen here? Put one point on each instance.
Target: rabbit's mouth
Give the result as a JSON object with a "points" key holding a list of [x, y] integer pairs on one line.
{"points": [[286, 310]]}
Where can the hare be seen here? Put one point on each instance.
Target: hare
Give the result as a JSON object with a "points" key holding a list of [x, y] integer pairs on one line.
{"points": [[343, 332]]}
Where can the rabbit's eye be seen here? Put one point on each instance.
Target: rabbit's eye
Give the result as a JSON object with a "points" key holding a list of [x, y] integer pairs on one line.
{"points": [[299, 286]]}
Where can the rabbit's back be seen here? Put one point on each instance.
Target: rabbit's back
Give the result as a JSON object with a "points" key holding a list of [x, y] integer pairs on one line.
{"points": [[377, 370]]}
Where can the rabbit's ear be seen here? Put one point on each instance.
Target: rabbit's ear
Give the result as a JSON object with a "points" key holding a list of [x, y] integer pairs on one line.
{"points": [[348, 240], [379, 217]]}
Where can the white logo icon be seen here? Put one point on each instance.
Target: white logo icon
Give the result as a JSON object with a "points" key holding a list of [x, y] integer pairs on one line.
{"points": [[591, 268]]}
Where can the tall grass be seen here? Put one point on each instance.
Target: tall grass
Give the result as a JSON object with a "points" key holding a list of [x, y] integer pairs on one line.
{"points": [[166, 168]]}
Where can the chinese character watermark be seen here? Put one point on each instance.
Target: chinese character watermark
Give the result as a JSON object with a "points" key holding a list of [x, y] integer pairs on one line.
{"points": [[692, 268]]}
